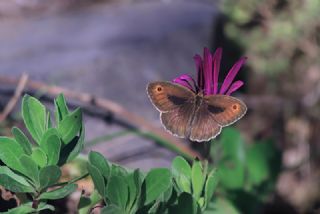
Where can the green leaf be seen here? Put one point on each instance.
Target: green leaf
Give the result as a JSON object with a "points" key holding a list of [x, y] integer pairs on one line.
{"points": [[86, 203], [186, 205], [22, 209], [49, 175], [231, 175], [27, 208], [78, 146], [181, 171], [97, 179], [59, 193], [117, 191], [30, 168], [232, 163], [51, 144], [112, 209], [165, 197], [154, 208], [181, 166], [135, 192], [44, 206], [61, 110], [197, 179], [221, 206], [34, 116], [96, 159], [13, 182], [39, 157], [117, 170], [49, 122], [156, 182], [70, 126], [232, 144], [210, 186], [257, 163], [72, 149], [22, 139], [134, 185], [10, 153]]}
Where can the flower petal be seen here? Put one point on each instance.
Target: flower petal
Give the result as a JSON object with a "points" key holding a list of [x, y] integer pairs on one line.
{"points": [[231, 75], [199, 66], [235, 86], [207, 65], [184, 80], [188, 78], [216, 68]]}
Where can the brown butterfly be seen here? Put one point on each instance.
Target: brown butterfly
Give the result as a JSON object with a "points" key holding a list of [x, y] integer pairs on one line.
{"points": [[196, 116]]}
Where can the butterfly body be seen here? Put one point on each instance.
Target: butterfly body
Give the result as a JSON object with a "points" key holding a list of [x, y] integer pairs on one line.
{"points": [[196, 116]]}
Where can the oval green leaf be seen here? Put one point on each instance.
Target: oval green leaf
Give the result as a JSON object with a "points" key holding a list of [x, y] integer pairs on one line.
{"points": [[69, 127], [39, 157], [98, 160], [22, 139], [10, 153], [210, 186], [59, 193], [49, 175], [13, 182], [112, 209], [30, 168], [97, 179], [117, 191], [61, 110], [51, 144], [197, 179], [156, 182], [34, 116]]}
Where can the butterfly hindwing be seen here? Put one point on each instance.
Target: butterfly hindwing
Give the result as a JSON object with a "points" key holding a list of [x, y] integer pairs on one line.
{"points": [[167, 96], [203, 126], [224, 109], [177, 120]]}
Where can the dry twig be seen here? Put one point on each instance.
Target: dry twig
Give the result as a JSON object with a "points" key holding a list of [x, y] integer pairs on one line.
{"points": [[106, 105], [21, 83]]}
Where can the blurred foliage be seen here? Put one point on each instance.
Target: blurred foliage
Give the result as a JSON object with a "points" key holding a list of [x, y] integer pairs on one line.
{"points": [[282, 41], [248, 172], [278, 35]]}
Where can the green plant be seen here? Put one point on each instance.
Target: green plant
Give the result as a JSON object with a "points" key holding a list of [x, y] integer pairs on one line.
{"points": [[34, 169], [184, 189], [247, 173]]}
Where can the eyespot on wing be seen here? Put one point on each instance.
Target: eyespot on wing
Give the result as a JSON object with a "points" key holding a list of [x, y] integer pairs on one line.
{"points": [[166, 96], [225, 109]]}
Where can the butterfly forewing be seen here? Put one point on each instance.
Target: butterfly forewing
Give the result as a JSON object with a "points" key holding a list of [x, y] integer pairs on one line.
{"points": [[167, 96], [225, 110], [176, 104]]}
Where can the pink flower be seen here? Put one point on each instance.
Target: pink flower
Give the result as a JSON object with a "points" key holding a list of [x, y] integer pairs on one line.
{"points": [[208, 75]]}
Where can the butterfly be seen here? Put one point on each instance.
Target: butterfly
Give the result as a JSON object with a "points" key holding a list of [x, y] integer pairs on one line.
{"points": [[196, 116]]}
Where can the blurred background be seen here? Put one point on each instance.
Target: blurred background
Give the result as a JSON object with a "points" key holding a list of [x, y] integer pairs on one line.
{"points": [[111, 49]]}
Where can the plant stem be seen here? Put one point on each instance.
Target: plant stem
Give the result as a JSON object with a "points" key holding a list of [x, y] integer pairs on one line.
{"points": [[71, 181]]}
